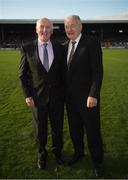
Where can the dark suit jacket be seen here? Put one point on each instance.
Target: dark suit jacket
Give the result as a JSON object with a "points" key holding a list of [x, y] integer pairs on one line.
{"points": [[36, 82], [85, 75]]}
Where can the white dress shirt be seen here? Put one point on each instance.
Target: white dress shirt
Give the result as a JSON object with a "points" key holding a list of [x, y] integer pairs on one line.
{"points": [[70, 45], [49, 49]]}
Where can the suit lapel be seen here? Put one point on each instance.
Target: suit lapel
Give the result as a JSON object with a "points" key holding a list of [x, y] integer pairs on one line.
{"points": [[54, 52], [80, 48], [36, 53], [66, 52]]}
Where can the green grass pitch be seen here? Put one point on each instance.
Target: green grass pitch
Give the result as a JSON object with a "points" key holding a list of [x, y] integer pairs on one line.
{"points": [[18, 151]]}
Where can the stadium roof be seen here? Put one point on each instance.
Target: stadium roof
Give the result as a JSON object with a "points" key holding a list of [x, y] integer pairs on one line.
{"points": [[55, 21]]}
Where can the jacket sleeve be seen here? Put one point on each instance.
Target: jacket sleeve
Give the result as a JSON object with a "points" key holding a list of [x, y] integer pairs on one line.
{"points": [[24, 74], [96, 65]]}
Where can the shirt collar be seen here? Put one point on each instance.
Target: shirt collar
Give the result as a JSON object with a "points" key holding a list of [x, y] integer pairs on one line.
{"points": [[77, 39], [40, 43]]}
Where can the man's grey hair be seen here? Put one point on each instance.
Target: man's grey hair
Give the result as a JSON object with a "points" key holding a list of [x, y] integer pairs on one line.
{"points": [[44, 19], [76, 17]]}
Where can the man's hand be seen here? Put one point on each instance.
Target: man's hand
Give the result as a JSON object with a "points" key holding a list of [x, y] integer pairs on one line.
{"points": [[29, 101], [91, 102]]}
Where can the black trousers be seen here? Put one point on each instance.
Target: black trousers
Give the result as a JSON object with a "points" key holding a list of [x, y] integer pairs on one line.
{"points": [[80, 119], [54, 112]]}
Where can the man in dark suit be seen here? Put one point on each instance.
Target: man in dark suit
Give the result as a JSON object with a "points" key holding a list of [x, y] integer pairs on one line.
{"points": [[84, 72], [41, 76]]}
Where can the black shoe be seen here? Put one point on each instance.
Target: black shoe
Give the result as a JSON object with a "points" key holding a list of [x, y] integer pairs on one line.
{"points": [[58, 156], [41, 164], [75, 158], [60, 160], [99, 171], [42, 161]]}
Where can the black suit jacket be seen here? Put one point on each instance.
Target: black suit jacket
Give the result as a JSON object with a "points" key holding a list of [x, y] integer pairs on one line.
{"points": [[36, 82], [85, 74]]}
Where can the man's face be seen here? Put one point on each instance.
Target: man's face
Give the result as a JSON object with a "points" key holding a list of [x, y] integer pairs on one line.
{"points": [[72, 28], [44, 30]]}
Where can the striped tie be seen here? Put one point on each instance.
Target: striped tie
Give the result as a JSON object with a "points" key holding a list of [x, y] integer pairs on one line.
{"points": [[71, 53]]}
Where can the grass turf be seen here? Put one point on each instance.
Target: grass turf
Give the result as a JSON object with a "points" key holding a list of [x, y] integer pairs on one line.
{"points": [[18, 151]]}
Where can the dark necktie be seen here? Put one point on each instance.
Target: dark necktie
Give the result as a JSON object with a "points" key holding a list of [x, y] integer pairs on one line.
{"points": [[45, 60], [71, 53]]}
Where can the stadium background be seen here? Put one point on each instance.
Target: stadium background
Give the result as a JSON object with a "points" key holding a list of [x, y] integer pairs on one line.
{"points": [[18, 152], [112, 33]]}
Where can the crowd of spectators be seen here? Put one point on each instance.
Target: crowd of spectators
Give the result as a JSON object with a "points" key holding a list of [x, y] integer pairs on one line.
{"points": [[15, 40], [115, 42]]}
